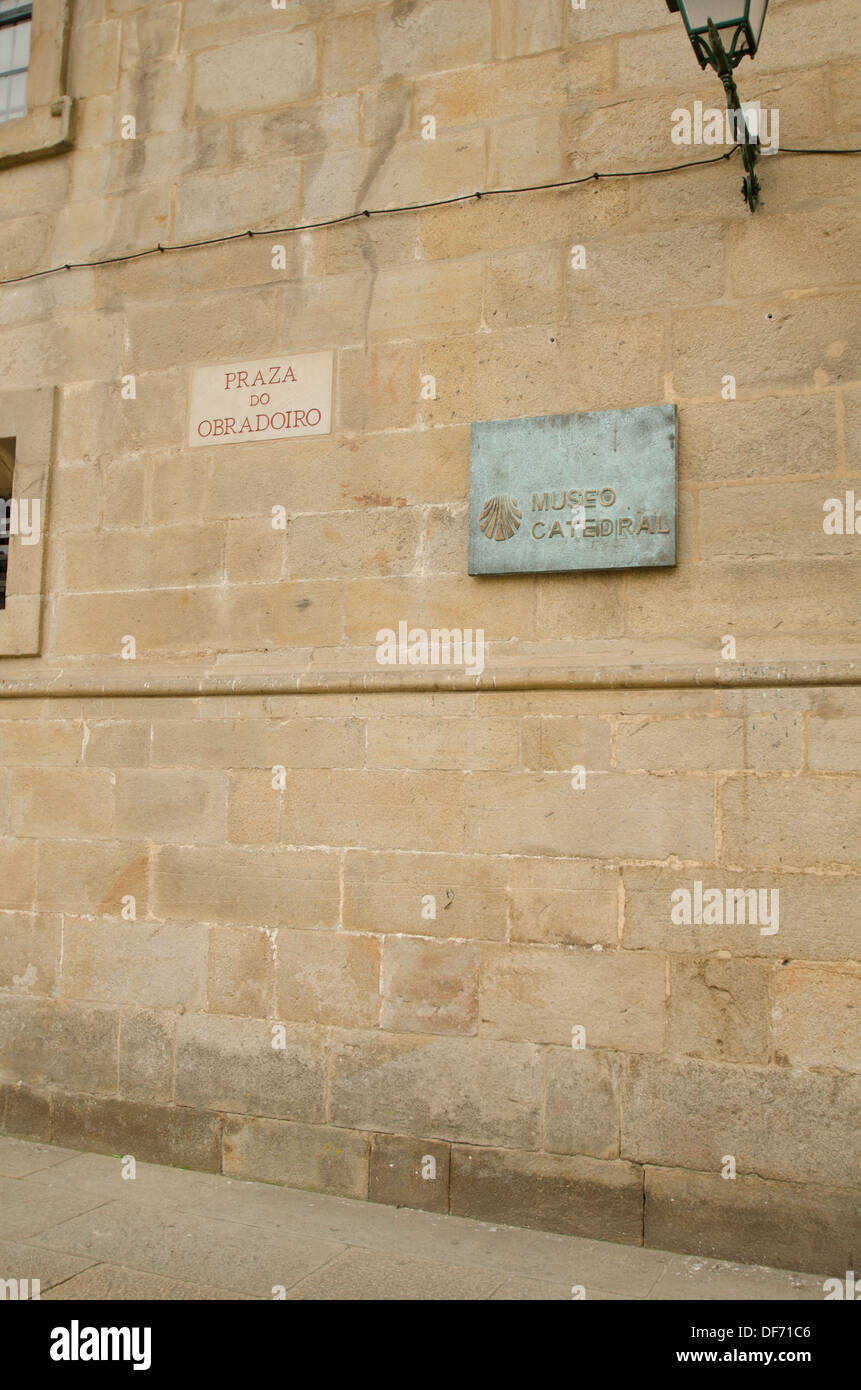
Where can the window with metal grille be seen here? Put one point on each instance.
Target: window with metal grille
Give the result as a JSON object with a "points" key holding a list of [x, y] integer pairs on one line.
{"points": [[7, 463], [15, 25]]}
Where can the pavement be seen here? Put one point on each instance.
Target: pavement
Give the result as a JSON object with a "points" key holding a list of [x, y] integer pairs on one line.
{"points": [[72, 1221]]}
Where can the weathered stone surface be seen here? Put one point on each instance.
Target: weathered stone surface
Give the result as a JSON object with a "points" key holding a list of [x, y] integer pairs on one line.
{"points": [[147, 1041], [718, 1009], [311, 1156], [618, 997], [783, 1225], [466, 1090], [429, 986], [581, 1102], [425, 894], [171, 807], [44, 1043], [254, 887], [241, 971], [817, 914], [577, 1196], [328, 978], [795, 1126], [157, 966], [409, 1172], [29, 953], [637, 817], [17, 872], [564, 902], [375, 810], [815, 1019], [171, 1134], [806, 823], [230, 1064], [25, 1113], [92, 877]]}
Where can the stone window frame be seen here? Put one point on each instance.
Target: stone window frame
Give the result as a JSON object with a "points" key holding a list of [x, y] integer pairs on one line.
{"points": [[16, 20], [47, 127], [27, 417]]}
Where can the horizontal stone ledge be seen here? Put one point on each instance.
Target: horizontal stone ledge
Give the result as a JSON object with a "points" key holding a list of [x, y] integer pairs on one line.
{"points": [[193, 681]]}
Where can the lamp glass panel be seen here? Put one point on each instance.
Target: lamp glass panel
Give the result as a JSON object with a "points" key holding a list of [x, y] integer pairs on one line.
{"points": [[757, 17], [699, 12]]}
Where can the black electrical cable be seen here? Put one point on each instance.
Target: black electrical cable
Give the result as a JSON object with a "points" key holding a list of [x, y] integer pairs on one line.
{"points": [[379, 212]]}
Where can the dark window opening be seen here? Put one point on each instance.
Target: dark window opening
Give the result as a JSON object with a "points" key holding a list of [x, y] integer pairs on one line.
{"points": [[16, 22]]}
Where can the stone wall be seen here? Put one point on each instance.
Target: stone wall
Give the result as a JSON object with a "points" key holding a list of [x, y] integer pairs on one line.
{"points": [[428, 905]]}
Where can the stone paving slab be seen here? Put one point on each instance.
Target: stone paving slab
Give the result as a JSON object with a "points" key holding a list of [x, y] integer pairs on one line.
{"points": [[532, 1290], [373, 1274], [71, 1220], [18, 1159], [20, 1260], [691, 1276], [101, 1176], [192, 1248], [104, 1282], [27, 1212]]}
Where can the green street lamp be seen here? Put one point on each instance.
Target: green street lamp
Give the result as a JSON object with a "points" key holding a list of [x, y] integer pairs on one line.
{"points": [[723, 32]]}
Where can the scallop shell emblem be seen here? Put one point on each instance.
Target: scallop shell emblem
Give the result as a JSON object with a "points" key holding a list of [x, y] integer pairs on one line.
{"points": [[500, 518]]}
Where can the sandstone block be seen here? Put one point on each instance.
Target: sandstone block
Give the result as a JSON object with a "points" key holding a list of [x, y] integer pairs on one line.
{"points": [[782, 436], [695, 745], [266, 70], [62, 803], [45, 1043], [247, 887], [462, 743], [834, 744], [560, 744], [315, 1157], [466, 1090], [377, 810], [241, 972], [337, 546], [599, 1199], [396, 893], [27, 1114], [29, 952], [429, 986], [253, 809], [718, 1010], [168, 806], [403, 1176], [54, 743], [156, 966], [147, 1040], [93, 877], [782, 1225], [793, 1126], [330, 978], [482, 377], [581, 1110], [17, 873], [615, 815], [168, 1134], [800, 822], [563, 902], [816, 915], [800, 343], [542, 993], [816, 1015], [230, 1064]]}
